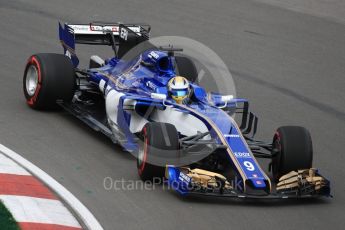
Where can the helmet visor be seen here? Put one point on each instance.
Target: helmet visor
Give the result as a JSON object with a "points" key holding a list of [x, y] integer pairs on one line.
{"points": [[179, 92]]}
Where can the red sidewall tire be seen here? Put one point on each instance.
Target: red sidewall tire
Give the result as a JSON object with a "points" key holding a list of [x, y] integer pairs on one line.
{"points": [[31, 100], [294, 150], [146, 144], [153, 145], [55, 80]]}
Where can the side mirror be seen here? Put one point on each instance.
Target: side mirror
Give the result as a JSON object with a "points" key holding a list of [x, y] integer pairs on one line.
{"points": [[162, 97], [158, 96], [227, 98]]}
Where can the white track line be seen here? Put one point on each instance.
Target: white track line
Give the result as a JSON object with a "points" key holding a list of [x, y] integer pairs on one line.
{"points": [[81, 211], [8, 166]]}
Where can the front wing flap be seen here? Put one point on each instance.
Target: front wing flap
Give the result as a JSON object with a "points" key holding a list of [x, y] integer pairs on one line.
{"points": [[307, 181]]}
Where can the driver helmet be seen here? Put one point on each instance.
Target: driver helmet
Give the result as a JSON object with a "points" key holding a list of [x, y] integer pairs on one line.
{"points": [[179, 89]]}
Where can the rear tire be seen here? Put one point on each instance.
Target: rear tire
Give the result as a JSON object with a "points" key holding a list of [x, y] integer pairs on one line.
{"points": [[186, 68], [160, 142], [47, 78], [294, 150]]}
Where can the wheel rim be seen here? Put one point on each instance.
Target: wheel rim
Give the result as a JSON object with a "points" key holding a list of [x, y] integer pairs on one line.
{"points": [[31, 80], [141, 155]]}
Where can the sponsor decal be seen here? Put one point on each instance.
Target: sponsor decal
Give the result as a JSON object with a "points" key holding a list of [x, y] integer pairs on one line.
{"points": [[79, 27], [183, 177], [104, 28], [94, 29], [124, 34], [232, 135], [242, 154], [258, 182], [153, 55], [151, 85]]}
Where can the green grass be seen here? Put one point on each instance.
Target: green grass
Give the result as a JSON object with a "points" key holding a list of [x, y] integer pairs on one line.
{"points": [[7, 221]]}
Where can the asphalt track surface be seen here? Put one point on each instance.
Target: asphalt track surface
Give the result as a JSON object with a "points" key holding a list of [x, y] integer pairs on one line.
{"points": [[290, 65]]}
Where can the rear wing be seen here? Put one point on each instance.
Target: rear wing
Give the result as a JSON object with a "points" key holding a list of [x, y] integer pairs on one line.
{"points": [[98, 33], [122, 37]]}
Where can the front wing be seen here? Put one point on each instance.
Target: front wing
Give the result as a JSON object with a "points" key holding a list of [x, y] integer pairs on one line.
{"points": [[302, 184]]}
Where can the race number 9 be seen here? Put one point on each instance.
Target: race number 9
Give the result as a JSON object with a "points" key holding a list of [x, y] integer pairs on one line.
{"points": [[249, 166]]}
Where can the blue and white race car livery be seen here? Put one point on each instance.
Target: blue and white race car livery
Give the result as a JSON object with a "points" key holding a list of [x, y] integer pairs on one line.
{"points": [[149, 103]]}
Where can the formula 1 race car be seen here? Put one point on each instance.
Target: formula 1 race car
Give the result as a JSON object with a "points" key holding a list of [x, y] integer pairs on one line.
{"points": [[152, 106]]}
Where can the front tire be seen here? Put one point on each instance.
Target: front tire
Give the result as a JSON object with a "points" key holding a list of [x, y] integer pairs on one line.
{"points": [[293, 148], [48, 78], [160, 144]]}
